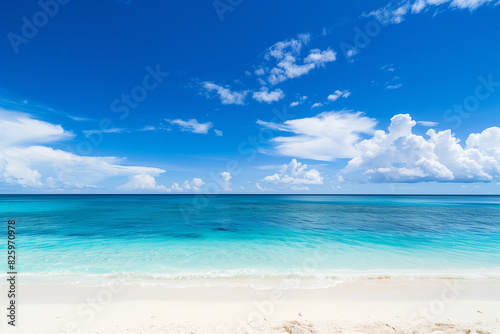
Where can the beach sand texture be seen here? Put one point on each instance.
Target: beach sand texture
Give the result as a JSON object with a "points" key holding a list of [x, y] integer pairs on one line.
{"points": [[365, 306]]}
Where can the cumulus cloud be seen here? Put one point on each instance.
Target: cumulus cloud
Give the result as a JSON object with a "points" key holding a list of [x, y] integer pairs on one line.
{"points": [[295, 173], [402, 156], [218, 133], [148, 182], [326, 136], [194, 185], [191, 125], [317, 105], [395, 12], [225, 94], [337, 94], [319, 58], [26, 161], [226, 183], [265, 96], [142, 182], [288, 62]]}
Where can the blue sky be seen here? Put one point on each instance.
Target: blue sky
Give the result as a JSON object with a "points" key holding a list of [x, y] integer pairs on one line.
{"points": [[250, 97]]}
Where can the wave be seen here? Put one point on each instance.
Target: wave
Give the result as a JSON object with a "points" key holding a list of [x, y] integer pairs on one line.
{"points": [[249, 278]]}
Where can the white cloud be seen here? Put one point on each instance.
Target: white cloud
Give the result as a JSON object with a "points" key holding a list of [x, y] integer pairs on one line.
{"points": [[293, 46], [218, 133], [226, 177], [316, 105], [195, 185], [191, 125], [175, 188], [392, 87], [26, 162], [260, 71], [319, 58], [78, 119], [20, 129], [296, 103], [287, 69], [147, 128], [326, 136], [427, 123], [295, 173], [351, 53], [112, 130], [286, 54], [142, 182], [225, 94], [265, 96], [27, 165], [395, 13], [401, 156], [147, 182], [338, 93]]}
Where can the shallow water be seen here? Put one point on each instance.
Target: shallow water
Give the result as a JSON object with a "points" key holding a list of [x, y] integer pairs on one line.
{"points": [[258, 240]]}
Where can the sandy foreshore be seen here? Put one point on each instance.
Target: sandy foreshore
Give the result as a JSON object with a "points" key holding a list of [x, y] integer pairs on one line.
{"points": [[370, 306]]}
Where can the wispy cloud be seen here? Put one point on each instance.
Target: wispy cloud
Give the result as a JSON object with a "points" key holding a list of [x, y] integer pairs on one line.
{"points": [[393, 87], [427, 123], [225, 94], [337, 94], [79, 119], [191, 125], [296, 103], [327, 136], [147, 128], [286, 61], [395, 12], [112, 130]]}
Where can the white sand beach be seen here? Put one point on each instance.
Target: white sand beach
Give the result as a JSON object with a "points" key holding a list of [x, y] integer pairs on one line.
{"points": [[365, 306]]}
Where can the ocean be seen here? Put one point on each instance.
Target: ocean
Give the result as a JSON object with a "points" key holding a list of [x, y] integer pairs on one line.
{"points": [[262, 241]]}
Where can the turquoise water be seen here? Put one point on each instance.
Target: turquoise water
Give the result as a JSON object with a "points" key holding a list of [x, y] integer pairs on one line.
{"points": [[261, 241]]}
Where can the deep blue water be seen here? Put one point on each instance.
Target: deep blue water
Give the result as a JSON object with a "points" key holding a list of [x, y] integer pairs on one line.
{"points": [[253, 239]]}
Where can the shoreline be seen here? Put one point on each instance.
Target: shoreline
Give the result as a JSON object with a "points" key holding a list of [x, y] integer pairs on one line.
{"points": [[364, 306], [258, 281]]}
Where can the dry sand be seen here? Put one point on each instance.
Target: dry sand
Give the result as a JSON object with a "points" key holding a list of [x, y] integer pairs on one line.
{"points": [[372, 306]]}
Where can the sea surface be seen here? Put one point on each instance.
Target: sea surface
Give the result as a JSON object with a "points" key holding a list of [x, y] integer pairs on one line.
{"points": [[263, 241]]}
